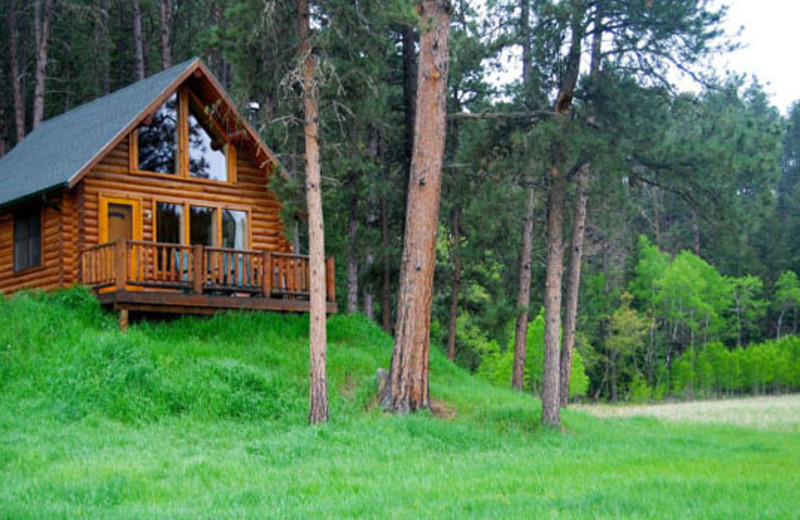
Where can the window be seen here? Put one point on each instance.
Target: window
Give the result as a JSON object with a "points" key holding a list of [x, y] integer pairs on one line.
{"points": [[234, 229], [28, 238], [169, 223], [206, 153], [202, 225], [157, 141], [195, 224], [182, 139]]}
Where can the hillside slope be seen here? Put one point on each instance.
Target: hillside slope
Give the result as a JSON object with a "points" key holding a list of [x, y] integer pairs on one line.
{"points": [[205, 418]]}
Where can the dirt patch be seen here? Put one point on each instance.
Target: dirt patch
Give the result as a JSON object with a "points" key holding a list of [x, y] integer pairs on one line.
{"points": [[443, 410]]}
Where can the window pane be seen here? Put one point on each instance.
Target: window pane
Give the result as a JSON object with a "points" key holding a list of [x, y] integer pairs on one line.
{"points": [[202, 226], [234, 229], [206, 153], [157, 150], [169, 223], [27, 238]]}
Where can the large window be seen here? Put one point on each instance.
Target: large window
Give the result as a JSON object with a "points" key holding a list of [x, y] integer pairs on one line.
{"points": [[234, 229], [157, 141], [182, 138], [203, 225], [28, 238], [197, 224], [169, 223]]}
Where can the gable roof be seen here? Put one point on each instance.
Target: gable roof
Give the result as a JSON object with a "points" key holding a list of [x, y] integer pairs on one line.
{"points": [[62, 149]]}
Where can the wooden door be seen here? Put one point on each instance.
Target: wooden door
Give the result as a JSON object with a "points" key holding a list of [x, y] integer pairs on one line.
{"points": [[120, 218], [120, 221]]}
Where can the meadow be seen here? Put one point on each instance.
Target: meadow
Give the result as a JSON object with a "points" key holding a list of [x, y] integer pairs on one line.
{"points": [[206, 418]]}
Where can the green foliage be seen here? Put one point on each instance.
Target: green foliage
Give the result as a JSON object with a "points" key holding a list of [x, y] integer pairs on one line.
{"points": [[714, 371], [497, 364]]}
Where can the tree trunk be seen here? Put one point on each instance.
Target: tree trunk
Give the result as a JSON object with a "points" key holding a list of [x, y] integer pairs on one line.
{"points": [[451, 337], [138, 42], [16, 85], [551, 393], [369, 297], [573, 286], [780, 323], [407, 389], [352, 255], [166, 33], [42, 34], [316, 231], [524, 293]]}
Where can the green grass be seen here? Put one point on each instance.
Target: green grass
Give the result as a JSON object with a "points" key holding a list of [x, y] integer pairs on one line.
{"points": [[206, 419]]}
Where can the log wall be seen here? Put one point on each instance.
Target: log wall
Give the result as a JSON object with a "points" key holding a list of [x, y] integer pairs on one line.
{"points": [[55, 233]]}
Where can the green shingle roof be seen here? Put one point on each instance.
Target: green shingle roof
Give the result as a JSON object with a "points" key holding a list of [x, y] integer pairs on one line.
{"points": [[62, 147]]}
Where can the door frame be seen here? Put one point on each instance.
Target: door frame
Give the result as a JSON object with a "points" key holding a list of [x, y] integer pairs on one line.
{"points": [[136, 215]]}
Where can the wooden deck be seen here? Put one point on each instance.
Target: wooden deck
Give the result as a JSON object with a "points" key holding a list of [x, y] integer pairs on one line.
{"points": [[131, 275]]}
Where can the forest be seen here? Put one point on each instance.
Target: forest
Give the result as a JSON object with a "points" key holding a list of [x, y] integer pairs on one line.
{"points": [[596, 219]]}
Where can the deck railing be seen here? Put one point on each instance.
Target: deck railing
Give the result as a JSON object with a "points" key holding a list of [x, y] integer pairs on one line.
{"points": [[135, 264]]}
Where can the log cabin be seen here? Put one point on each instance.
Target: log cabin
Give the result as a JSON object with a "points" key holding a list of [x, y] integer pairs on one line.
{"points": [[157, 198]]}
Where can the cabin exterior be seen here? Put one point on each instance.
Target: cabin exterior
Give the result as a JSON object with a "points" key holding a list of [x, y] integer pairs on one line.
{"points": [[155, 196]]}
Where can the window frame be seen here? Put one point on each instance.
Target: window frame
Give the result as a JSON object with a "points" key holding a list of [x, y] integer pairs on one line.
{"points": [[32, 210], [185, 98], [218, 209]]}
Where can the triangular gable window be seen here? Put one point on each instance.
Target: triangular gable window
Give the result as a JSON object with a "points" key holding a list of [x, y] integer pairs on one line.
{"points": [[182, 139]]}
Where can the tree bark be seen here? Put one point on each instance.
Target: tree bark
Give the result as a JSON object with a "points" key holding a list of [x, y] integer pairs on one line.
{"points": [[407, 389], [316, 232], [166, 33], [16, 85], [455, 252], [42, 35], [138, 43], [524, 293], [573, 286], [352, 255], [551, 393]]}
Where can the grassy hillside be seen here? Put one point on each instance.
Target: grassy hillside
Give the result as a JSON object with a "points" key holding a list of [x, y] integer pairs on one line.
{"points": [[206, 419]]}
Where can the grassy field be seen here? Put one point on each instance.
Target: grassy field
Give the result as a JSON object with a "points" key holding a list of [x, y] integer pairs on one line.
{"points": [[206, 419], [778, 413]]}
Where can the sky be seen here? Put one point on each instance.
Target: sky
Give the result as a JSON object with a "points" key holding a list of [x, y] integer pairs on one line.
{"points": [[771, 43]]}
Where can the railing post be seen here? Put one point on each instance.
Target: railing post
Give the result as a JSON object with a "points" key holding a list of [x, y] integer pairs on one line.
{"points": [[266, 275], [121, 264], [198, 273], [330, 279]]}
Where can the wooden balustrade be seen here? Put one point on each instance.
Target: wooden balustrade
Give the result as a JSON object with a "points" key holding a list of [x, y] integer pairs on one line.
{"points": [[97, 266], [137, 265]]}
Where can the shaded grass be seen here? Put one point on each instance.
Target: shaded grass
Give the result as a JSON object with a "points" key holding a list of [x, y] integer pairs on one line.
{"points": [[206, 419]]}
